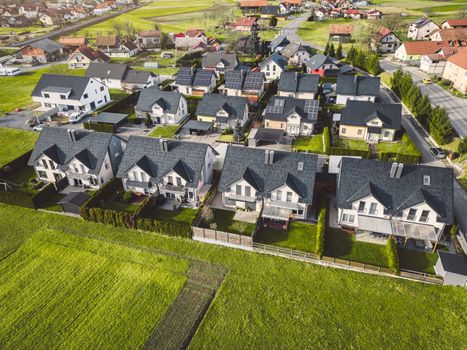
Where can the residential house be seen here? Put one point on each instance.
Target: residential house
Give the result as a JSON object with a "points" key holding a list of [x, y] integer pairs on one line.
{"points": [[390, 199], [321, 13], [456, 70], [278, 43], [243, 83], [120, 76], [189, 39], [452, 268], [273, 66], [341, 33], [149, 39], [245, 24], [195, 81], [84, 55], [163, 107], [101, 8], [353, 13], [79, 12], [296, 54], [219, 62], [384, 41], [373, 14], [42, 51], [252, 6], [435, 63], [273, 11], [296, 117], [412, 51], [298, 85], [177, 170], [369, 121], [453, 36], [454, 23], [29, 10], [113, 47], [358, 88], [222, 110], [84, 158], [325, 66], [293, 5], [15, 21], [107, 42], [70, 93], [421, 29], [72, 42], [278, 184]]}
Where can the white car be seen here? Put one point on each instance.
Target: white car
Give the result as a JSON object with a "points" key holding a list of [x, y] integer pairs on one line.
{"points": [[76, 116], [38, 127]]}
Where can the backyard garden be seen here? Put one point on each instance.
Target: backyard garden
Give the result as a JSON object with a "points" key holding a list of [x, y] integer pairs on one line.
{"points": [[223, 220], [14, 143]]}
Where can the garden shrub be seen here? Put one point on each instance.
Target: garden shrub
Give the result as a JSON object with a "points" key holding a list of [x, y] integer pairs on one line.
{"points": [[326, 140], [341, 151], [321, 231], [453, 230], [393, 256], [127, 196]]}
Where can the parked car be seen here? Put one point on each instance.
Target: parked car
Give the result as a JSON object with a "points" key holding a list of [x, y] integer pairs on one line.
{"points": [[438, 153], [75, 117], [426, 81]]}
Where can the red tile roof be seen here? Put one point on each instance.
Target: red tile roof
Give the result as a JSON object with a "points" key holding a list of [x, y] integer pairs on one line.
{"points": [[253, 3], [245, 22], [150, 33], [457, 22], [340, 29], [460, 58], [423, 47], [452, 34], [72, 41], [92, 54]]}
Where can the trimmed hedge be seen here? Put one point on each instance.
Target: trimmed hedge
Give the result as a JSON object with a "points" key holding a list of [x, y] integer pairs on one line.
{"points": [[41, 197], [401, 158], [17, 198], [393, 256], [326, 140], [108, 128], [339, 151], [321, 232]]}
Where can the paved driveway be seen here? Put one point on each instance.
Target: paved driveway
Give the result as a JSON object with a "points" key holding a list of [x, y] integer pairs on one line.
{"points": [[16, 120]]}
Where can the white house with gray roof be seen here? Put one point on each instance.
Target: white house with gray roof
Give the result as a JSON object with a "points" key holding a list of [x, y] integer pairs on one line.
{"points": [[194, 81], [391, 199], [296, 53], [219, 62], [223, 111], [273, 66], [243, 83], [86, 159], [163, 107], [354, 87], [298, 85], [70, 93], [178, 170], [280, 183], [292, 115]]}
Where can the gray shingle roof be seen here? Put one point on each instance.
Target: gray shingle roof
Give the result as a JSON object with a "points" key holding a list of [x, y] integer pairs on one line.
{"points": [[89, 147], [243, 80], [355, 85], [318, 60], [107, 70], [137, 76], [276, 57], [293, 48], [168, 100], [212, 103], [186, 158], [75, 198], [47, 45], [248, 164], [75, 83], [280, 40], [280, 107], [358, 113], [361, 177], [211, 59], [188, 76], [110, 118], [298, 82], [452, 262]]}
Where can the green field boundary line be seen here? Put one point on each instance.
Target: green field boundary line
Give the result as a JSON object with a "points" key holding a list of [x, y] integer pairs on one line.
{"points": [[184, 316]]}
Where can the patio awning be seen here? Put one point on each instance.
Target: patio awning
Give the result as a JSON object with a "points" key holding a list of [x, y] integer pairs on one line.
{"points": [[373, 224], [415, 231], [276, 213]]}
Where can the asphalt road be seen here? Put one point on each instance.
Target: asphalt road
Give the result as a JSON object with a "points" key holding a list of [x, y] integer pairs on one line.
{"points": [[455, 106]]}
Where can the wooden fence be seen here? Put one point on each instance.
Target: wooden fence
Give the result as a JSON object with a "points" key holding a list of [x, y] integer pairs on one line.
{"points": [[221, 237]]}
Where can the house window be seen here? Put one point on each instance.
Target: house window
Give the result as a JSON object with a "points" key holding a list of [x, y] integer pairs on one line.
{"points": [[386, 134], [190, 194], [426, 180], [170, 180], [282, 125], [44, 163], [63, 97], [289, 197], [238, 190], [343, 130], [373, 208], [424, 216], [46, 95], [411, 215], [85, 96], [361, 206], [359, 132], [143, 177], [179, 181], [345, 217], [106, 166], [52, 165], [102, 88], [82, 168], [279, 195], [57, 177], [42, 174], [351, 218], [247, 191]]}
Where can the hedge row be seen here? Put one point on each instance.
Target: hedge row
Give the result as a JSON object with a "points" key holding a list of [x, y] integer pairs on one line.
{"points": [[401, 158], [393, 256], [321, 232], [326, 140], [41, 197], [109, 128], [17, 198], [339, 151], [101, 194]]}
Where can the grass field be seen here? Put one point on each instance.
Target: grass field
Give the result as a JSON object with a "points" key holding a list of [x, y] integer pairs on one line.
{"points": [[164, 131], [417, 261], [299, 236], [224, 221], [405, 146], [179, 215], [23, 84], [63, 291], [14, 143], [273, 302], [309, 143], [351, 144]]}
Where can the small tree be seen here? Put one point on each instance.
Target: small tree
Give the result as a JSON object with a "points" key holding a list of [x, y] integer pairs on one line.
{"points": [[351, 55], [273, 21], [453, 230], [372, 65], [423, 110], [127, 196], [332, 50], [238, 132], [462, 148], [326, 49], [393, 256], [339, 51]]}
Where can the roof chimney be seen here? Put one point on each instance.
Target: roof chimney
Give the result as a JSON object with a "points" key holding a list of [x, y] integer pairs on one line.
{"points": [[164, 146], [392, 172], [296, 76], [271, 157], [400, 167], [71, 135], [355, 77], [266, 156]]}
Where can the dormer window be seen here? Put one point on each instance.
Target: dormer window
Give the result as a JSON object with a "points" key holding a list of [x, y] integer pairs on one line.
{"points": [[426, 180], [46, 95], [63, 97]]}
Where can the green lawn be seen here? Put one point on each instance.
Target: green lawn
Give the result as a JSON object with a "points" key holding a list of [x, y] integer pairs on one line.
{"points": [[340, 244], [404, 146], [224, 220], [264, 299], [299, 236], [351, 144], [64, 291], [164, 131], [309, 143], [23, 84], [51, 203], [115, 203], [179, 215], [230, 137], [14, 143], [417, 261]]}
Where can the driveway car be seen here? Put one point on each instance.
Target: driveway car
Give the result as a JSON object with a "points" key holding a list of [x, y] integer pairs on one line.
{"points": [[438, 153]]}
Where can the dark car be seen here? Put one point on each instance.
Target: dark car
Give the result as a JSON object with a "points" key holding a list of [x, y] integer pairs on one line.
{"points": [[438, 153]]}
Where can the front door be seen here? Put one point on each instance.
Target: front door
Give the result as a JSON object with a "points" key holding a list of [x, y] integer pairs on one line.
{"points": [[93, 105]]}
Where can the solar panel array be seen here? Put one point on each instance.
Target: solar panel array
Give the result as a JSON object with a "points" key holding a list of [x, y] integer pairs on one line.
{"points": [[202, 77], [277, 106], [184, 76], [311, 109], [234, 79], [254, 81]]}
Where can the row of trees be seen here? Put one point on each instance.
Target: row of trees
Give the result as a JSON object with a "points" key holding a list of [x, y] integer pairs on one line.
{"points": [[434, 119], [365, 60], [331, 50]]}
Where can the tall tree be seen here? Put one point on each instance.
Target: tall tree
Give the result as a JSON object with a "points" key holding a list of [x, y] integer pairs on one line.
{"points": [[238, 132], [423, 110], [332, 50], [351, 55], [326, 49], [396, 81], [440, 126], [339, 51], [372, 64]]}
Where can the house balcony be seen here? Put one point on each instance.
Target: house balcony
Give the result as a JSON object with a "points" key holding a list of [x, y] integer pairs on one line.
{"points": [[237, 197], [285, 205], [79, 176], [138, 184], [276, 213], [173, 189]]}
